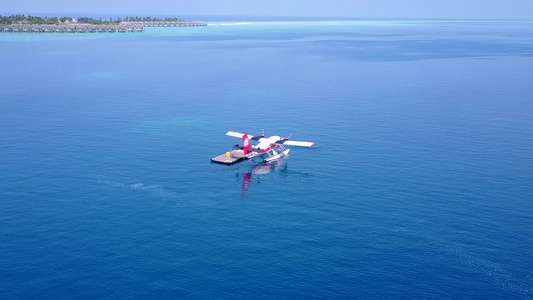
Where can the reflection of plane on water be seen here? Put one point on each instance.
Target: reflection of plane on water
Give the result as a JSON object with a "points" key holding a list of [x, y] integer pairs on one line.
{"points": [[259, 170]]}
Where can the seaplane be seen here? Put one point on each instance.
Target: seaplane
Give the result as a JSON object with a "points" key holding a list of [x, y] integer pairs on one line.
{"points": [[268, 149]]}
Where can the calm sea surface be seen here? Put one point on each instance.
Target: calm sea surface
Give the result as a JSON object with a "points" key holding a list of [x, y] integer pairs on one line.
{"points": [[420, 185]]}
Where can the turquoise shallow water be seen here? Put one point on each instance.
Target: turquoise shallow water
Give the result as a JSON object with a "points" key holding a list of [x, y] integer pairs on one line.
{"points": [[420, 184]]}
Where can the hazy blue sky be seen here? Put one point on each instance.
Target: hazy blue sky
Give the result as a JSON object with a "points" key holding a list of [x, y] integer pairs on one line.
{"points": [[464, 9]]}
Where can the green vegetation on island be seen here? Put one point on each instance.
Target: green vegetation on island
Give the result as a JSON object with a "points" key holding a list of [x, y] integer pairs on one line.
{"points": [[21, 19]]}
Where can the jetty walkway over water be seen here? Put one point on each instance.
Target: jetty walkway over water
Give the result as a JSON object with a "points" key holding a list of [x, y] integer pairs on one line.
{"points": [[91, 28], [168, 23]]}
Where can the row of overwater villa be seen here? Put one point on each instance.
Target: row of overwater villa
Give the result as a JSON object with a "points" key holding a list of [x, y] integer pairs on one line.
{"points": [[170, 23], [90, 28], [78, 28]]}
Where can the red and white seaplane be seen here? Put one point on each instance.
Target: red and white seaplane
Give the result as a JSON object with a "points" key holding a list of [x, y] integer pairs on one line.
{"points": [[268, 148]]}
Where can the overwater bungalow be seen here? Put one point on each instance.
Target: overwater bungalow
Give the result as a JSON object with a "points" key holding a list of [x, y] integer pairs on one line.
{"points": [[75, 27]]}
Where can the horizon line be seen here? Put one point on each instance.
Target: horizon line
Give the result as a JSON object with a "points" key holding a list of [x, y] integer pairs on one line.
{"points": [[274, 17]]}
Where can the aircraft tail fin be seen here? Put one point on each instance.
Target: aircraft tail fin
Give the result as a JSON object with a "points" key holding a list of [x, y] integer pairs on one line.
{"points": [[246, 144]]}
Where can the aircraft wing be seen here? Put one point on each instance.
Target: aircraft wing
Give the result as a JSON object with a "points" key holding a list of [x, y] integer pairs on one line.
{"points": [[297, 143], [237, 134]]}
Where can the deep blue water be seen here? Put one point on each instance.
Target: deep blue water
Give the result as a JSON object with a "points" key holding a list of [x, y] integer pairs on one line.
{"points": [[420, 185]]}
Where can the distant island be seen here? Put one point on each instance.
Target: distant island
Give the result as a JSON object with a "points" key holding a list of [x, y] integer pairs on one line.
{"points": [[21, 23], [21, 19]]}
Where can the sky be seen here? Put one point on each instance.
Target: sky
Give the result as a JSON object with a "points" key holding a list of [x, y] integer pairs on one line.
{"points": [[425, 9]]}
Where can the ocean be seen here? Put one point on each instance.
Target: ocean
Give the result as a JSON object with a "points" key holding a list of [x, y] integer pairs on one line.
{"points": [[420, 185]]}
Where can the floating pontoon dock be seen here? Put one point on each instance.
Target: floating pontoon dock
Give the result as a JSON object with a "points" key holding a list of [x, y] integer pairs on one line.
{"points": [[229, 158]]}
